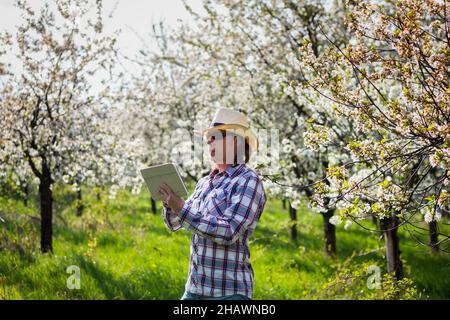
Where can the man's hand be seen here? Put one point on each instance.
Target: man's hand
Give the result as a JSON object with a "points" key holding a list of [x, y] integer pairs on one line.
{"points": [[170, 199]]}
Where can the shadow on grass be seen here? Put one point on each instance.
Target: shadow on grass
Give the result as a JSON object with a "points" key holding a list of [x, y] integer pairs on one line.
{"points": [[429, 272], [113, 239], [74, 236], [97, 282], [139, 284], [274, 240]]}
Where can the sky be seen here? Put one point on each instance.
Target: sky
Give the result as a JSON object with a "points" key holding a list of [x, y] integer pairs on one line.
{"points": [[128, 15], [133, 17]]}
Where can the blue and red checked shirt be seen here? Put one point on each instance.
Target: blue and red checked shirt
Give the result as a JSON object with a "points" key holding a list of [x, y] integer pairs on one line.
{"points": [[222, 213]]}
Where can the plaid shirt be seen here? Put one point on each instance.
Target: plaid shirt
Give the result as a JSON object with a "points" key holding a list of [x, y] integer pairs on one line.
{"points": [[221, 213]]}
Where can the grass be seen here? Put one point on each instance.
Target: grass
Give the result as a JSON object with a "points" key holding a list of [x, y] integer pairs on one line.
{"points": [[125, 252]]}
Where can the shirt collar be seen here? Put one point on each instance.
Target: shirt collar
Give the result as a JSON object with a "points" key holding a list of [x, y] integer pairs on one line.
{"points": [[228, 171]]}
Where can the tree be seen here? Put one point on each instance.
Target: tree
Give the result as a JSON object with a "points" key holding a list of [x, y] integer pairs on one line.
{"points": [[256, 46], [392, 79], [170, 97], [48, 108]]}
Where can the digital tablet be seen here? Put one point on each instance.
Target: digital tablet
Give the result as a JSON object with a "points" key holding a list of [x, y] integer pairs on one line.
{"points": [[155, 176]]}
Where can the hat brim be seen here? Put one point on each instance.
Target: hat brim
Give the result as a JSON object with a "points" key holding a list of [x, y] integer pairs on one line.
{"points": [[240, 130]]}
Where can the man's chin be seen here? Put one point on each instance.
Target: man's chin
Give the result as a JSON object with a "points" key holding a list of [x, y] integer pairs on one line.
{"points": [[214, 158]]}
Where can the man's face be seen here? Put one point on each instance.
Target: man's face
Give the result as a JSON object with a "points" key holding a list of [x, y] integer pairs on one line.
{"points": [[221, 146]]}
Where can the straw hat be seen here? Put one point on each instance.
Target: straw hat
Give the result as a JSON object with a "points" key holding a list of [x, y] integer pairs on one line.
{"points": [[234, 122]]}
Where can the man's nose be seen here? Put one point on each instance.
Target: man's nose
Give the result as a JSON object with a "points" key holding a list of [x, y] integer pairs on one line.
{"points": [[210, 140]]}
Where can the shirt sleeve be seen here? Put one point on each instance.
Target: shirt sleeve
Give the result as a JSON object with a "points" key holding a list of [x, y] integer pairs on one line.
{"points": [[243, 210], [171, 219]]}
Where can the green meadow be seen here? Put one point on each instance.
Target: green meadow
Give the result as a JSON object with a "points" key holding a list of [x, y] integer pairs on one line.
{"points": [[124, 251]]}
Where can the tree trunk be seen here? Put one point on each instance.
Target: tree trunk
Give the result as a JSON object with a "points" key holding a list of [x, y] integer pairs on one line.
{"points": [[153, 202], [330, 233], [80, 205], [283, 201], [328, 228], [293, 216], [26, 192], [46, 203], [390, 228], [434, 237]]}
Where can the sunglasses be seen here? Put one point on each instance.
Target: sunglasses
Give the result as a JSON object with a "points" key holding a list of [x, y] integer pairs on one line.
{"points": [[216, 134]]}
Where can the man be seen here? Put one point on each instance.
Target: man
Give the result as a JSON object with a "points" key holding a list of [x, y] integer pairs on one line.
{"points": [[222, 213]]}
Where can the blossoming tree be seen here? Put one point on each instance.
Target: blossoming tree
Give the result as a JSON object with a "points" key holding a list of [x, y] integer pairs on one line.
{"points": [[392, 79], [259, 43], [49, 113]]}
